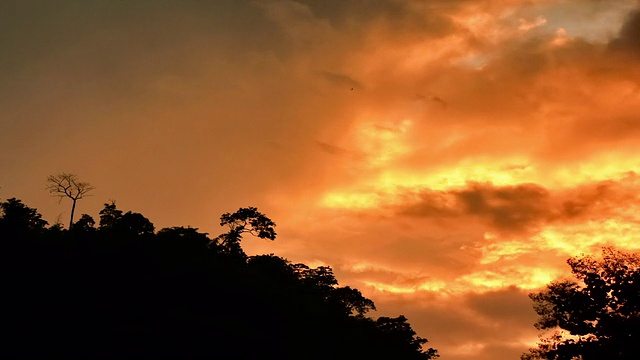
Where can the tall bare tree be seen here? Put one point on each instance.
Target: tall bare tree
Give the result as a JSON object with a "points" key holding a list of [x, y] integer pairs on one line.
{"points": [[67, 185]]}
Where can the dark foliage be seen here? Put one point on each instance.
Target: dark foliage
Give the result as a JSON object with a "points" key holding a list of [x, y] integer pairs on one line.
{"points": [[20, 220], [597, 317], [124, 291]]}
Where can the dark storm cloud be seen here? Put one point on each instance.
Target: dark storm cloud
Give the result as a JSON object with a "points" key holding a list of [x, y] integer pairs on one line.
{"points": [[523, 207], [508, 208], [629, 37]]}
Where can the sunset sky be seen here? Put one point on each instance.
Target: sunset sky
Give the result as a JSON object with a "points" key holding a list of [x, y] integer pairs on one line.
{"points": [[445, 157]]}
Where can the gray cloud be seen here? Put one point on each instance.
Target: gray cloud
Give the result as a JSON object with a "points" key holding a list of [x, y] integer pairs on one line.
{"points": [[629, 37], [509, 208], [522, 207], [331, 149], [341, 80]]}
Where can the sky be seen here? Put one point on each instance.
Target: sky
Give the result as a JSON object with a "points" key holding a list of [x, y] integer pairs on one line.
{"points": [[445, 157]]}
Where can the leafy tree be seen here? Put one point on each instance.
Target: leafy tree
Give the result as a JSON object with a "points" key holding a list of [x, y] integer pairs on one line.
{"points": [[135, 223], [183, 243], [109, 216], [596, 317], [17, 217], [402, 340], [320, 278], [114, 221], [185, 235], [245, 220], [351, 301], [85, 224], [67, 185]]}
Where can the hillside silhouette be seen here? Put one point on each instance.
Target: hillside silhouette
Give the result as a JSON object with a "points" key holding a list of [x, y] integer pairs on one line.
{"points": [[117, 288]]}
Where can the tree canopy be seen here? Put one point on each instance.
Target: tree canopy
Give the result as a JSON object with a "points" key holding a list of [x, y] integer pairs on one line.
{"points": [[123, 290], [595, 317], [245, 220], [18, 219]]}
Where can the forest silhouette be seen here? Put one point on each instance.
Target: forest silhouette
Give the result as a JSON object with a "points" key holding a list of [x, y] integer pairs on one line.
{"points": [[120, 289]]}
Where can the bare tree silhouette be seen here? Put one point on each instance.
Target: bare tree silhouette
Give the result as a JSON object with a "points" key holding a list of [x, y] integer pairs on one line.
{"points": [[67, 185]]}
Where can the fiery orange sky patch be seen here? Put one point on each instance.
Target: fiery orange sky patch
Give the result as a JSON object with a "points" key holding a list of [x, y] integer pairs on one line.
{"points": [[445, 157]]}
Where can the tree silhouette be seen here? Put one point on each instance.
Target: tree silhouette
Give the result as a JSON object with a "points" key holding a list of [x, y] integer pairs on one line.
{"points": [[130, 223], [16, 217], [135, 223], [125, 291], [245, 220], [351, 301], [596, 317], [67, 185], [85, 223], [109, 216], [403, 339]]}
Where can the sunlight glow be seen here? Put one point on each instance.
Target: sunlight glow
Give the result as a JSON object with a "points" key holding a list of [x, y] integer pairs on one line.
{"points": [[480, 281], [390, 288], [437, 286], [466, 349], [383, 142], [523, 277], [591, 236], [394, 186], [353, 201], [505, 250], [387, 186]]}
